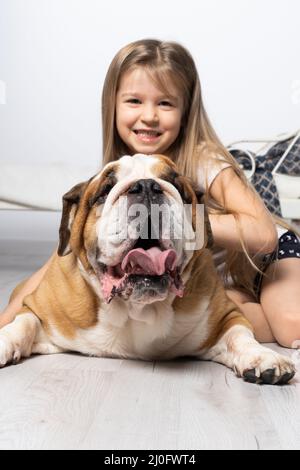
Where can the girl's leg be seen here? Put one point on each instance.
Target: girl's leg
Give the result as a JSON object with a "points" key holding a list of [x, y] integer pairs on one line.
{"points": [[254, 313], [280, 300]]}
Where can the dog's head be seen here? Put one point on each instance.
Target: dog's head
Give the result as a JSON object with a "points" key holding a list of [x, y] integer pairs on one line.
{"points": [[134, 228]]}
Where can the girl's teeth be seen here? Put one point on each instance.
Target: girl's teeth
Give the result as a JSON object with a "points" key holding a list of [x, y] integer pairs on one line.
{"points": [[145, 133]]}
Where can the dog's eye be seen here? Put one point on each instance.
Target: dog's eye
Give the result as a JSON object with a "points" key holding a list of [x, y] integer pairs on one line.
{"points": [[101, 195], [182, 189], [105, 191], [178, 181], [186, 197]]}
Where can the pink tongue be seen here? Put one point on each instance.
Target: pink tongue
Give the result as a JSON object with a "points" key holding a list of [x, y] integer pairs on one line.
{"points": [[153, 261]]}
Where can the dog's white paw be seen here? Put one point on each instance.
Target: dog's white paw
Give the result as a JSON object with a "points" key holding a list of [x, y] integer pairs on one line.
{"points": [[9, 352], [264, 366]]}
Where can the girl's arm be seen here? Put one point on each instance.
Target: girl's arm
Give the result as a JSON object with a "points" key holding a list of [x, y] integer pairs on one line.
{"points": [[26, 288], [258, 230]]}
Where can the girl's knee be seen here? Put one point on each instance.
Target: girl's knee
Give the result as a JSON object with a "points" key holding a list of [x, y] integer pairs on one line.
{"points": [[287, 330]]}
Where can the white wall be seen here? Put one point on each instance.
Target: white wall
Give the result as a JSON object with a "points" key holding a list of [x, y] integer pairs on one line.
{"points": [[54, 55]]}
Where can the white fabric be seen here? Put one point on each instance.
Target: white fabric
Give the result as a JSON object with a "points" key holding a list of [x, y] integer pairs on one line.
{"points": [[280, 230], [40, 186], [209, 171]]}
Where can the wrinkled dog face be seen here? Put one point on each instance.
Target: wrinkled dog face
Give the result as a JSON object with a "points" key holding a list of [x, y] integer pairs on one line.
{"points": [[133, 227]]}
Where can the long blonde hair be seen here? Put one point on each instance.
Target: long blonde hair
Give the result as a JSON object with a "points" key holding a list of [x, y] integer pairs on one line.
{"points": [[197, 141]]}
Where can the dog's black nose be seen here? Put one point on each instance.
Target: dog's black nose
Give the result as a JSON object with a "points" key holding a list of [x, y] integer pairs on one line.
{"points": [[146, 187]]}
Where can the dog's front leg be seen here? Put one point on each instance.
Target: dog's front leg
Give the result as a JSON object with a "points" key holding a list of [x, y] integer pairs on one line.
{"points": [[239, 350], [23, 337]]}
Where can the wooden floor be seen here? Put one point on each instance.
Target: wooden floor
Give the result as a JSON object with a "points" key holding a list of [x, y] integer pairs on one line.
{"points": [[70, 401]]}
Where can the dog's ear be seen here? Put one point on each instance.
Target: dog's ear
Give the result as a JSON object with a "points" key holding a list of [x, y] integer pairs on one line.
{"points": [[70, 206], [209, 235], [199, 196], [210, 238]]}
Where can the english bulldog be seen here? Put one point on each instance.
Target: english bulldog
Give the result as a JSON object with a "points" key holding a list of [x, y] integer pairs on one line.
{"points": [[142, 290]]}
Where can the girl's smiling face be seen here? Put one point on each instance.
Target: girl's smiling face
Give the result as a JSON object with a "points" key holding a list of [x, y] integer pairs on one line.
{"points": [[147, 120]]}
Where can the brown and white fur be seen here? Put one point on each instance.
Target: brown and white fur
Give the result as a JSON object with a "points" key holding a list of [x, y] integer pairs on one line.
{"points": [[67, 312]]}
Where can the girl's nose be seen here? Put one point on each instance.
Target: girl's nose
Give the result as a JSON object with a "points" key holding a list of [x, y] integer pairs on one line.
{"points": [[149, 114]]}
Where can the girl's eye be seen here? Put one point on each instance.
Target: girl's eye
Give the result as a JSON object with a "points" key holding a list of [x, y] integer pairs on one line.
{"points": [[166, 103], [136, 101], [133, 101]]}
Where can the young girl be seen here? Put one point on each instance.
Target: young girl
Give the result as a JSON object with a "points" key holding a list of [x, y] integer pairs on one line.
{"points": [[152, 104]]}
